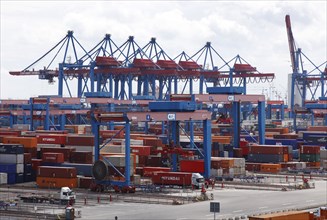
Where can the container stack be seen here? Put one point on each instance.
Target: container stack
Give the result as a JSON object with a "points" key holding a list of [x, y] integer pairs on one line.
{"points": [[269, 153], [12, 163], [222, 166], [311, 155], [56, 177], [29, 174], [29, 144]]}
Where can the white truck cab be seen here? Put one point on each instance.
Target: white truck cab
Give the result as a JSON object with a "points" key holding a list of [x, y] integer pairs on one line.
{"points": [[197, 180], [66, 194]]}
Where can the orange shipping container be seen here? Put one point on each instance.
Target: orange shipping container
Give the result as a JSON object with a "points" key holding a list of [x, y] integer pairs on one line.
{"points": [[270, 168], [27, 142], [52, 182], [292, 215]]}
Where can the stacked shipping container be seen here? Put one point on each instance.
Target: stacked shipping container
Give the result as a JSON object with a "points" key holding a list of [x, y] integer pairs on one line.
{"points": [[310, 155], [12, 163]]}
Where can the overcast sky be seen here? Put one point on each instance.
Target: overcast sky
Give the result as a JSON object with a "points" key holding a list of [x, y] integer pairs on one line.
{"points": [[255, 30]]}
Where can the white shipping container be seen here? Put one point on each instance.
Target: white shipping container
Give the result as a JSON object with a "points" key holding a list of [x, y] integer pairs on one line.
{"points": [[213, 172], [3, 178], [20, 168], [11, 158], [118, 160], [225, 153], [323, 164], [239, 162], [137, 179], [21, 127], [323, 154], [109, 148], [133, 142]]}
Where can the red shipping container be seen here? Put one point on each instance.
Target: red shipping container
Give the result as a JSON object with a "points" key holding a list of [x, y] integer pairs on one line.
{"points": [[149, 171], [32, 151], [51, 132], [141, 150], [85, 182], [245, 149], [193, 166], [105, 134], [255, 167], [172, 178], [51, 139], [152, 142], [36, 163], [267, 149], [139, 171], [58, 172], [80, 140], [84, 157], [309, 149], [66, 151], [154, 161], [27, 158], [10, 133], [143, 161], [238, 152], [53, 157]]}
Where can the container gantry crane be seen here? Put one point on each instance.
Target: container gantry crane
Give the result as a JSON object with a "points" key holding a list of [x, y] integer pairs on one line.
{"points": [[305, 84]]}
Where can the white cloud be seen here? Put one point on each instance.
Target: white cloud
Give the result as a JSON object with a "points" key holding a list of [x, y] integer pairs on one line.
{"points": [[255, 30]]}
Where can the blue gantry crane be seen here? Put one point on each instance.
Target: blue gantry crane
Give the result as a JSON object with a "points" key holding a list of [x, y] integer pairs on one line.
{"points": [[305, 83]]}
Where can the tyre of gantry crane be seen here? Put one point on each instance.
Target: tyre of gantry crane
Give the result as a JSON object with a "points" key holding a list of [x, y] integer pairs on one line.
{"points": [[100, 170]]}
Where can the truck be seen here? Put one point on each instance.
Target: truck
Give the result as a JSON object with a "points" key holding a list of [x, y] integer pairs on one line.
{"points": [[67, 197], [195, 180]]}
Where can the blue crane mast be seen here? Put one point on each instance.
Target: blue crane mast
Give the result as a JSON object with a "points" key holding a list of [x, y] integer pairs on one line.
{"points": [[305, 84]]}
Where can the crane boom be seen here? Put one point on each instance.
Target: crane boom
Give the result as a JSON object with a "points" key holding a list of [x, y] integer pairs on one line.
{"points": [[291, 42]]}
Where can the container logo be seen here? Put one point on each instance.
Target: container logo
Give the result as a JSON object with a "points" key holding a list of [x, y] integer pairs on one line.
{"points": [[48, 139], [171, 117], [170, 178]]}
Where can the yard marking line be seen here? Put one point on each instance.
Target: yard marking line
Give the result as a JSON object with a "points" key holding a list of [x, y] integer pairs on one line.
{"points": [[287, 204], [210, 215], [310, 201], [263, 207], [238, 210]]}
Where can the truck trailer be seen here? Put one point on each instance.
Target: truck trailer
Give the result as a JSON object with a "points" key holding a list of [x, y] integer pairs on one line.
{"points": [[178, 179], [66, 197]]}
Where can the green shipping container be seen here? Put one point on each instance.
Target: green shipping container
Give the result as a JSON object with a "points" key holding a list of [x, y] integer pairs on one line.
{"points": [[310, 157]]}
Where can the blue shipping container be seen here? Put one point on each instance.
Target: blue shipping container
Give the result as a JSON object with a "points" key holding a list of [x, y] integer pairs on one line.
{"points": [[8, 168], [11, 149], [82, 169], [11, 178], [19, 177], [28, 168]]}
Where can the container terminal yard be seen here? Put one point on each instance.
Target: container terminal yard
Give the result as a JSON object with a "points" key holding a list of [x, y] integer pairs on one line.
{"points": [[131, 145]]}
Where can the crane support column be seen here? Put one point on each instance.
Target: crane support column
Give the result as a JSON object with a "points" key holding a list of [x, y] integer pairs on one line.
{"points": [[127, 154], [207, 147], [261, 121], [175, 139], [60, 79], [236, 123], [282, 112], [269, 108]]}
